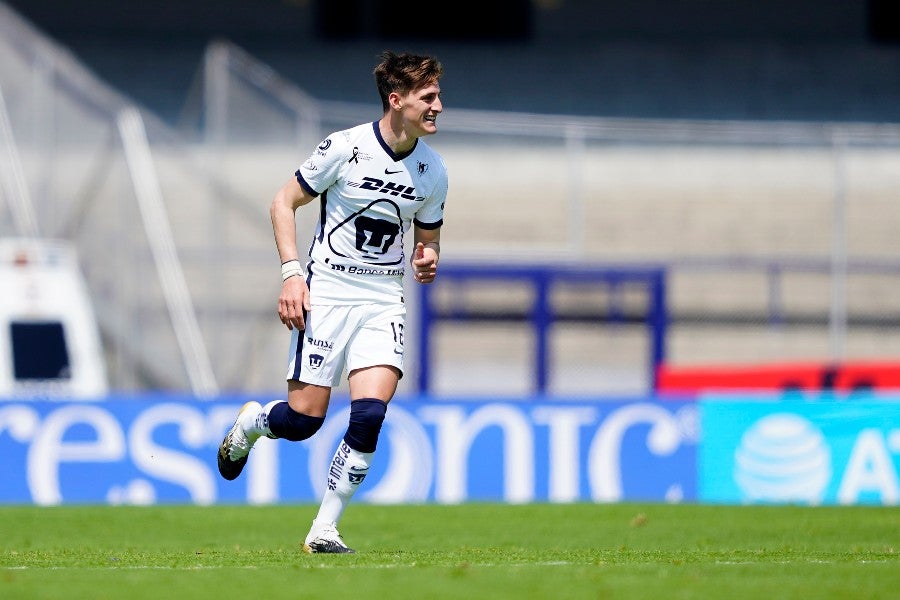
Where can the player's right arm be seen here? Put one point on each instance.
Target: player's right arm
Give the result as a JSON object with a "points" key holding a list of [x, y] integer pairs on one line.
{"points": [[294, 298]]}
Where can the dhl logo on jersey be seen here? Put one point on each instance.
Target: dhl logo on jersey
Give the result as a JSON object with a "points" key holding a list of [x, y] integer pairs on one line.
{"points": [[387, 187]]}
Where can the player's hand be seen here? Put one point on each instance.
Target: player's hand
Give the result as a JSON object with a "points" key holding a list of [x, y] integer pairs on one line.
{"points": [[424, 263], [293, 301]]}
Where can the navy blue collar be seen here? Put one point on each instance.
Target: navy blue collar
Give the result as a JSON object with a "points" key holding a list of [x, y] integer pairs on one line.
{"points": [[387, 148]]}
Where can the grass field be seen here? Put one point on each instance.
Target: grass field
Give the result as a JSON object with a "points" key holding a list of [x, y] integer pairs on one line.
{"points": [[494, 551]]}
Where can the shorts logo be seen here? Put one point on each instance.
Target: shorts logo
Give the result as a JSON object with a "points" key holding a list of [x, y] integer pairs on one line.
{"points": [[322, 344], [315, 360]]}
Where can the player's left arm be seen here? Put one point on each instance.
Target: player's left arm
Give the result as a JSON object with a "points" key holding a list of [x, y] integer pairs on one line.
{"points": [[426, 253], [427, 227]]}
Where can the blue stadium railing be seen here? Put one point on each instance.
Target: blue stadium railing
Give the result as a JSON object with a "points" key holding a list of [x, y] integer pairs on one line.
{"points": [[542, 315]]}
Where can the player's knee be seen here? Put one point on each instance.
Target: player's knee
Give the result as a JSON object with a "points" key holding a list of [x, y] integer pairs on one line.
{"points": [[366, 418], [288, 424]]}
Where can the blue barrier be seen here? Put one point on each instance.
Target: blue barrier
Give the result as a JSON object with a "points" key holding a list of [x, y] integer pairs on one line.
{"points": [[541, 315], [158, 449]]}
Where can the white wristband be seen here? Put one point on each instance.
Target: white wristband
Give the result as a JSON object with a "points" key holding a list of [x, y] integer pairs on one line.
{"points": [[290, 268]]}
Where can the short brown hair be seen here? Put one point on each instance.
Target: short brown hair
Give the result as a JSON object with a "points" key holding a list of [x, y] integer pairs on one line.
{"points": [[404, 73]]}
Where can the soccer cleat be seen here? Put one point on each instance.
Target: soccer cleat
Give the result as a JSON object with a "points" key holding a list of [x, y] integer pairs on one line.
{"points": [[234, 449], [325, 539]]}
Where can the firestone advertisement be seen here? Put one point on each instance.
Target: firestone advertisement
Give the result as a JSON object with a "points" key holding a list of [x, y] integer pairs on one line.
{"points": [[158, 449]]}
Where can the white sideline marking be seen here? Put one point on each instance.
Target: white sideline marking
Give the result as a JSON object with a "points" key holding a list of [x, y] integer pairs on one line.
{"points": [[253, 567], [323, 565]]}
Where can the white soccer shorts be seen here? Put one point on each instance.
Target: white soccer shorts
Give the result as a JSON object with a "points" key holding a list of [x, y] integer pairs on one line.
{"points": [[353, 336]]}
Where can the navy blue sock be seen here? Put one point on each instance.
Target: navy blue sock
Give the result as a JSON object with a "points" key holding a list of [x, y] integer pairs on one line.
{"points": [[366, 417], [288, 424]]}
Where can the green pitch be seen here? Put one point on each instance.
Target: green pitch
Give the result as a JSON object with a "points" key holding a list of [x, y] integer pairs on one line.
{"points": [[484, 551]]}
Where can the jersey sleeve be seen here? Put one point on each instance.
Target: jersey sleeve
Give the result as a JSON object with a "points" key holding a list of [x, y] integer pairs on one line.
{"points": [[323, 166], [431, 213]]}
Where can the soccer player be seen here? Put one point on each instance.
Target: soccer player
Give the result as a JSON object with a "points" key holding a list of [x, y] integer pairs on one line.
{"points": [[345, 308]]}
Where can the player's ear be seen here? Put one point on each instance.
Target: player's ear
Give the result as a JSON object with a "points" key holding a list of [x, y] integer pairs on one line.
{"points": [[395, 100]]}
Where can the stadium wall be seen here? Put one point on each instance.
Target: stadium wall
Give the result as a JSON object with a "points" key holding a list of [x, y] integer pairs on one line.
{"points": [[687, 195]]}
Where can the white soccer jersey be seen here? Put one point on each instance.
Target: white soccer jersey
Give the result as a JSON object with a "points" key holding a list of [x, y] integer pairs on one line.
{"points": [[369, 198]]}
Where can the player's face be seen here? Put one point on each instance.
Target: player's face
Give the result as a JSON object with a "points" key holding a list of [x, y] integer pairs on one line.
{"points": [[421, 108]]}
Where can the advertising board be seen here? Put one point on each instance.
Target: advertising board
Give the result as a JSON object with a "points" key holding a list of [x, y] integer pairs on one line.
{"points": [[162, 449], [811, 450]]}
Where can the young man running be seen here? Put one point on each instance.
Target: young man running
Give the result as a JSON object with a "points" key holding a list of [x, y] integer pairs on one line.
{"points": [[345, 308]]}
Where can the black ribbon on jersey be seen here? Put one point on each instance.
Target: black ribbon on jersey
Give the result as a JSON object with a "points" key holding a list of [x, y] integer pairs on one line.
{"points": [[355, 157]]}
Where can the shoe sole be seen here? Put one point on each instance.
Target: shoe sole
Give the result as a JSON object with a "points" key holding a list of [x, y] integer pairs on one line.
{"points": [[230, 469], [338, 550]]}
